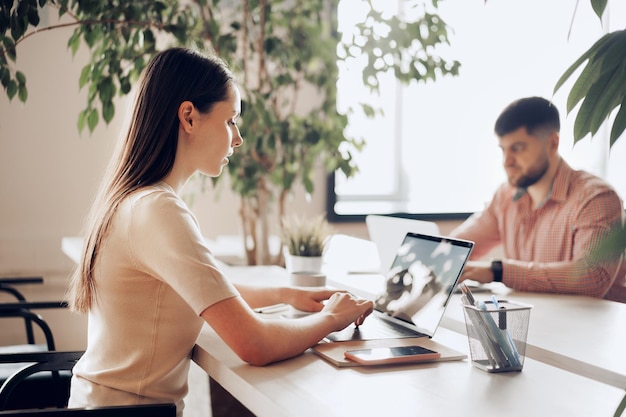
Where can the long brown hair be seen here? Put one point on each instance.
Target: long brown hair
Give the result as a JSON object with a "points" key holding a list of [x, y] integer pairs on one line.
{"points": [[146, 154]]}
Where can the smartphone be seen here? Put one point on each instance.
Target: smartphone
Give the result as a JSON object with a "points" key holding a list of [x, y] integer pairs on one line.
{"points": [[390, 355]]}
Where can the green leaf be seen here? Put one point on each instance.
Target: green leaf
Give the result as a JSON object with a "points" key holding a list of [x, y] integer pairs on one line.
{"points": [[106, 89], [74, 42], [82, 119], [92, 119], [108, 111], [5, 76], [598, 65], [620, 408], [609, 98], [19, 76], [9, 48], [18, 26], [600, 43], [612, 245], [598, 7], [33, 16], [582, 124], [11, 89], [22, 93], [619, 124], [84, 76]]}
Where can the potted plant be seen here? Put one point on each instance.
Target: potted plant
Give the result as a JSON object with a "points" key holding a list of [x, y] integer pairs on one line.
{"points": [[305, 240], [286, 56]]}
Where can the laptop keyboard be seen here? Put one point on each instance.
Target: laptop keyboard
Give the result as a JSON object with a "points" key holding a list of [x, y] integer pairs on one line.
{"points": [[374, 328]]}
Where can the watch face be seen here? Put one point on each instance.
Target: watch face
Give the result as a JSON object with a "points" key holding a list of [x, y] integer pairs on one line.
{"points": [[496, 268]]}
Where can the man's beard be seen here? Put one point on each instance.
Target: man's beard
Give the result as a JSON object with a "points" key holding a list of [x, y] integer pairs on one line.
{"points": [[534, 174]]}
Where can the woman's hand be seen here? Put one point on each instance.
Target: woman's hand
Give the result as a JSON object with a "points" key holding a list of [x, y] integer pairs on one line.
{"points": [[309, 300], [347, 308]]}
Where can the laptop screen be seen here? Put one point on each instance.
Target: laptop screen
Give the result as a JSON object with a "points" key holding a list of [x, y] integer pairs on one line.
{"points": [[387, 233], [421, 279]]}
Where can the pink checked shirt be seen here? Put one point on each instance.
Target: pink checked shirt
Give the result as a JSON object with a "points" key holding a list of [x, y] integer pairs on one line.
{"points": [[545, 249]]}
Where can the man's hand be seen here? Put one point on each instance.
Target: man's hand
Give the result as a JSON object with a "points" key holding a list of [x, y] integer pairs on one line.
{"points": [[479, 271]]}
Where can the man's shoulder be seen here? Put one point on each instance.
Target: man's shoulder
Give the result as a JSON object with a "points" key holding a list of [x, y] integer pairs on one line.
{"points": [[584, 181]]}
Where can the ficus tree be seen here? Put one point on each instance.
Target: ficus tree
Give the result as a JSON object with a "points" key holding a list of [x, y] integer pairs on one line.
{"points": [[286, 56]]}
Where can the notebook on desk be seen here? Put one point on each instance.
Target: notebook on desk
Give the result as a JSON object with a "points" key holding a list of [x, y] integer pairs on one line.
{"points": [[418, 287]]}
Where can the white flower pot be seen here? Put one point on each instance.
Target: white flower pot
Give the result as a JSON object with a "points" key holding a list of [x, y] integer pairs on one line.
{"points": [[303, 263], [307, 279]]}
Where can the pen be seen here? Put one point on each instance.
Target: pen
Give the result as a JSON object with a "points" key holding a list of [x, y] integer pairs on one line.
{"points": [[465, 290], [272, 309], [502, 325]]}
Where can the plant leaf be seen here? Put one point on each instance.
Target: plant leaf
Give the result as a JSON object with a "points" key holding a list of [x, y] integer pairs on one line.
{"points": [[619, 124], [108, 111], [598, 7], [590, 52], [92, 119], [620, 408], [598, 64], [22, 92], [582, 124], [610, 98], [11, 89]]}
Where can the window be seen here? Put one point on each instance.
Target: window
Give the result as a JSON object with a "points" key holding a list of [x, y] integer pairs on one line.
{"points": [[434, 153]]}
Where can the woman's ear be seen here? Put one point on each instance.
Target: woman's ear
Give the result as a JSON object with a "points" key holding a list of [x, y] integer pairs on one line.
{"points": [[185, 115]]}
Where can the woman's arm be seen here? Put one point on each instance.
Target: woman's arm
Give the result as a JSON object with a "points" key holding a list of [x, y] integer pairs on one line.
{"points": [[303, 299], [260, 341]]}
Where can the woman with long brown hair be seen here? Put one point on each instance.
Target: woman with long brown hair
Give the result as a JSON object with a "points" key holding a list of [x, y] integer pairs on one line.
{"points": [[147, 279]]}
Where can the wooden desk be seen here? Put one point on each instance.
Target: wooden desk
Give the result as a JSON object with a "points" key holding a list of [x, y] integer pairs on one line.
{"points": [[579, 334], [309, 386]]}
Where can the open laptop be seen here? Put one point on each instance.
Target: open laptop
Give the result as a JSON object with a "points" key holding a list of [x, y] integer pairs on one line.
{"points": [[418, 287], [387, 233]]}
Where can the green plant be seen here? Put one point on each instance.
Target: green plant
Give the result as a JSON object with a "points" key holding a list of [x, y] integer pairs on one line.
{"points": [[286, 56], [304, 236], [620, 408], [601, 86]]}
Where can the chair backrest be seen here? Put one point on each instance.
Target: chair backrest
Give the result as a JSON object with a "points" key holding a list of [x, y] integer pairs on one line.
{"points": [[56, 388], [24, 309], [7, 285], [147, 410]]}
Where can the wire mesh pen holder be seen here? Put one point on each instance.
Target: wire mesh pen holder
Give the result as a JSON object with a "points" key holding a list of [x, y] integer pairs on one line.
{"points": [[497, 335]]}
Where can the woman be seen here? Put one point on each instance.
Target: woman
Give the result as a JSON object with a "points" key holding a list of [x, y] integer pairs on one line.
{"points": [[147, 279]]}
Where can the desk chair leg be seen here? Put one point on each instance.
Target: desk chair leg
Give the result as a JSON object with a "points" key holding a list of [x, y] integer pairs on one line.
{"points": [[223, 404]]}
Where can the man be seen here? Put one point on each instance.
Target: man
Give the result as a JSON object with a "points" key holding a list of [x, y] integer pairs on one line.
{"points": [[547, 217]]}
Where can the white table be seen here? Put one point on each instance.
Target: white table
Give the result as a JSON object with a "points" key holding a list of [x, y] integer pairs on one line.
{"points": [[309, 386], [579, 334]]}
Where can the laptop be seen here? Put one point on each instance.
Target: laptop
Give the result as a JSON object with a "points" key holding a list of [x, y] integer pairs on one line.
{"points": [[387, 233], [418, 287]]}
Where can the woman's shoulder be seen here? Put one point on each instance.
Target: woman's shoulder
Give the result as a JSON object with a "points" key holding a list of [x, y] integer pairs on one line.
{"points": [[155, 194], [155, 201]]}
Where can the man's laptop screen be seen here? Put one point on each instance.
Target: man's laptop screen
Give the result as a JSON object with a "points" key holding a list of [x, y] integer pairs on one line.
{"points": [[422, 276]]}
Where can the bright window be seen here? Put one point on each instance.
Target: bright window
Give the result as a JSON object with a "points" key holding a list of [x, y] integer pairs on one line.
{"points": [[434, 150]]}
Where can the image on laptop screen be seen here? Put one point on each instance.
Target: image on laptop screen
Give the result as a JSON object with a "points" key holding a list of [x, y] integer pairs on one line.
{"points": [[417, 289], [418, 284]]}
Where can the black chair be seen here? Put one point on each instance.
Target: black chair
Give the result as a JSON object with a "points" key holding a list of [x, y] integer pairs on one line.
{"points": [[49, 386], [149, 410], [57, 361], [38, 380], [24, 309], [7, 285]]}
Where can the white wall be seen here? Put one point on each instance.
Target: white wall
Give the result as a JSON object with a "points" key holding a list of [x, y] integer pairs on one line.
{"points": [[49, 172]]}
